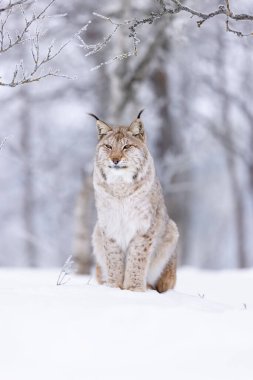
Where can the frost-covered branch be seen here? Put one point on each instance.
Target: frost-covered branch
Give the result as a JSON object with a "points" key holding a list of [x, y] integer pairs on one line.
{"points": [[29, 33], [66, 271], [166, 8], [12, 4], [20, 76], [95, 48], [223, 9], [7, 41]]}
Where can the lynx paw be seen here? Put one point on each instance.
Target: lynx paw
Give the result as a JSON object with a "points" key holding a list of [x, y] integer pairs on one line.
{"points": [[134, 288], [114, 284]]}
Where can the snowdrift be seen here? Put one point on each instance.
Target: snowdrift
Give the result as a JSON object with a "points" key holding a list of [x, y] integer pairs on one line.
{"points": [[201, 330]]}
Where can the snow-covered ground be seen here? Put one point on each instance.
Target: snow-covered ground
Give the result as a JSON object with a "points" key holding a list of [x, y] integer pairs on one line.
{"points": [[81, 331]]}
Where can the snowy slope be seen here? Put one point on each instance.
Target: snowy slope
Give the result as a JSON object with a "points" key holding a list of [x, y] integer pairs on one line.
{"points": [[82, 331]]}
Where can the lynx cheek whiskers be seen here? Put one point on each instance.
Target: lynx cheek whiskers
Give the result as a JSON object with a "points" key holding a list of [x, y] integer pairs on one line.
{"points": [[134, 240]]}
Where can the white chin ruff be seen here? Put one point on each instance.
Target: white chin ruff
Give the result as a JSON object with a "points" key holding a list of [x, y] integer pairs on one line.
{"points": [[119, 175]]}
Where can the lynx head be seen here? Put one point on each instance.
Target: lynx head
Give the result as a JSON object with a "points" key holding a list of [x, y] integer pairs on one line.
{"points": [[121, 151]]}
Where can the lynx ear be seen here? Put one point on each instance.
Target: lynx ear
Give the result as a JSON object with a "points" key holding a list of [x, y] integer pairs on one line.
{"points": [[102, 127], [137, 127]]}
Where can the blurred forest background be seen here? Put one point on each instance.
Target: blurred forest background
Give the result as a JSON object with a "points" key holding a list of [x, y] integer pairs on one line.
{"points": [[196, 87]]}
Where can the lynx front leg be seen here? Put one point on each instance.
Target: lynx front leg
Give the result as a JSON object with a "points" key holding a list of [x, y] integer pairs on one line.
{"points": [[115, 263], [138, 258], [99, 274], [110, 259]]}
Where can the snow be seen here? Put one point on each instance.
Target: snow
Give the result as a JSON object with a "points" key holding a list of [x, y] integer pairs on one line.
{"points": [[202, 330]]}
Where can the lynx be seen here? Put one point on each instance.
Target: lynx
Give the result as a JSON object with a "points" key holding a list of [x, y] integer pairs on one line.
{"points": [[134, 240]]}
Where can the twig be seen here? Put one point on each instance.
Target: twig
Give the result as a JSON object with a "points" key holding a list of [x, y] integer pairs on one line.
{"points": [[12, 4], [95, 48], [66, 270], [2, 143]]}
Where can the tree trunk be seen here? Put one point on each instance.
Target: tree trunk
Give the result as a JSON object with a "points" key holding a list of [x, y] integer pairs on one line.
{"points": [[83, 224], [238, 210], [28, 180]]}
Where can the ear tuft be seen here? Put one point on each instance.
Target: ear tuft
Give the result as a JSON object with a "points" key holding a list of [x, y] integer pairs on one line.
{"points": [[92, 114], [139, 114]]}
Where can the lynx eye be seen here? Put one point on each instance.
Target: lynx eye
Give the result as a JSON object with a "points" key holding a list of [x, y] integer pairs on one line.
{"points": [[108, 146], [126, 147]]}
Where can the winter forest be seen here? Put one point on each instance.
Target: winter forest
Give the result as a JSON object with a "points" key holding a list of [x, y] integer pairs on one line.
{"points": [[191, 72], [188, 64]]}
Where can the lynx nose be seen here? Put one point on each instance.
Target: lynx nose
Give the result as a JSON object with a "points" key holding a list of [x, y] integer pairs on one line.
{"points": [[115, 161]]}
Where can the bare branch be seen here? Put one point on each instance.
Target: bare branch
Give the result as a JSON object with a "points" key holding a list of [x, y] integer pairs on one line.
{"points": [[22, 36], [175, 7], [37, 73], [95, 48], [100, 45], [7, 42], [12, 4], [222, 10]]}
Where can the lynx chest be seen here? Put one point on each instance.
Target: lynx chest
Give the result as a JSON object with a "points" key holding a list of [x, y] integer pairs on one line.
{"points": [[122, 219]]}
